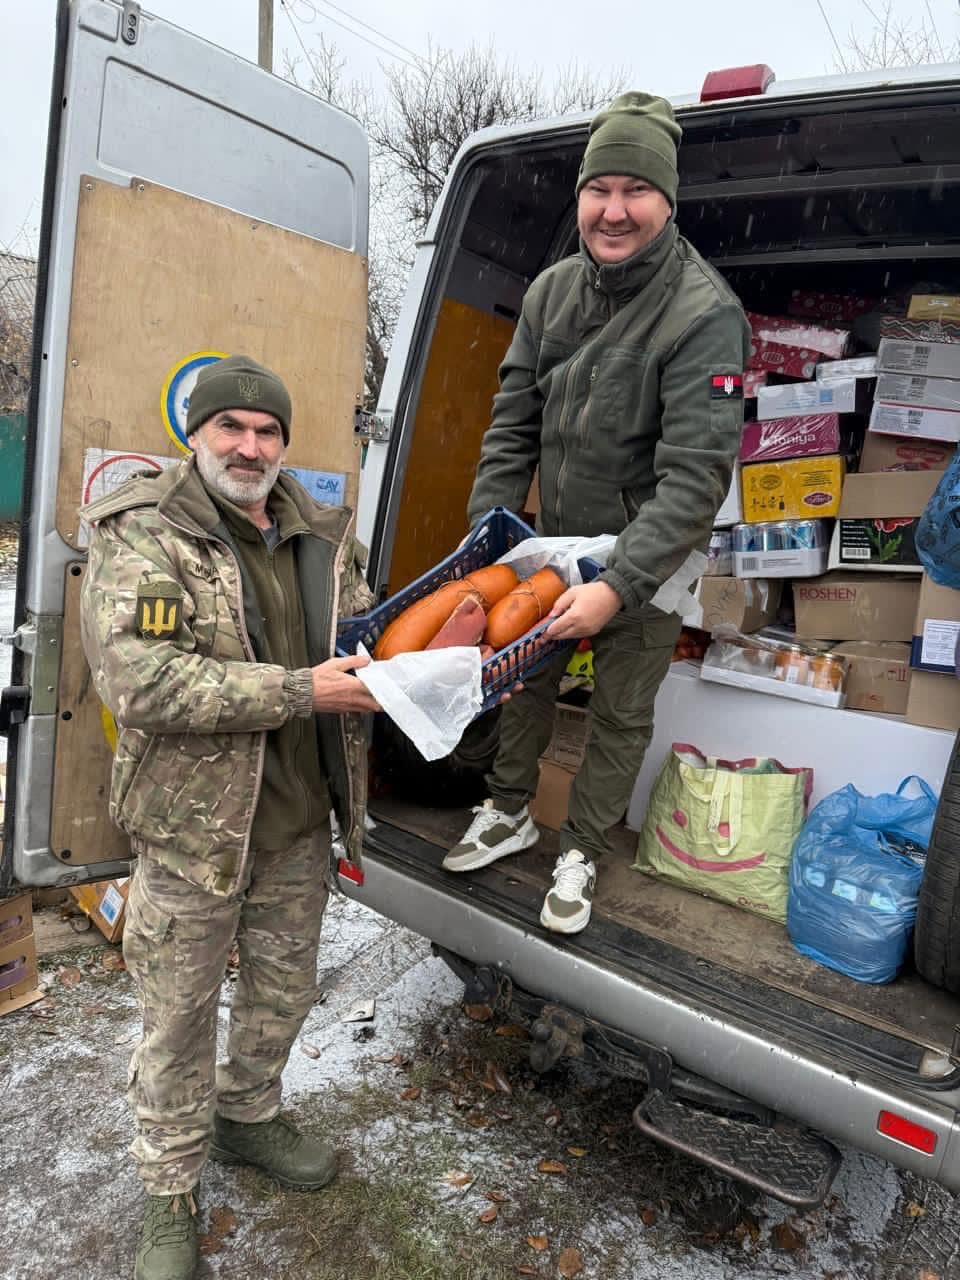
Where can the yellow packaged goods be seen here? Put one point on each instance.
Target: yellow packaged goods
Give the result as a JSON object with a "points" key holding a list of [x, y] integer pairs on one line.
{"points": [[792, 489], [934, 306]]}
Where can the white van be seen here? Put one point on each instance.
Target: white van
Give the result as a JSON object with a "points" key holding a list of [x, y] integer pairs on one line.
{"points": [[195, 205]]}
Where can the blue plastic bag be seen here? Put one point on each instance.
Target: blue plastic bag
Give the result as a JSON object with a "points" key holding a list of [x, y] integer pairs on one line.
{"points": [[937, 536], [855, 878]]}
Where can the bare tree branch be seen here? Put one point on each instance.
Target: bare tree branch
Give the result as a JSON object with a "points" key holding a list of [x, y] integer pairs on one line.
{"points": [[415, 134]]}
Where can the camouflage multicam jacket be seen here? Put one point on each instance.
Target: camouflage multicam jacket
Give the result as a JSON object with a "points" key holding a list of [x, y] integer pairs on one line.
{"points": [[167, 637]]}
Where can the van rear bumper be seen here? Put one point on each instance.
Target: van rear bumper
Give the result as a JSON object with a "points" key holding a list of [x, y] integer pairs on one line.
{"points": [[843, 1104]]}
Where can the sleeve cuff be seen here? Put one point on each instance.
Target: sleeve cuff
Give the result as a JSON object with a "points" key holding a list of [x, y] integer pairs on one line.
{"points": [[622, 587], [298, 685]]}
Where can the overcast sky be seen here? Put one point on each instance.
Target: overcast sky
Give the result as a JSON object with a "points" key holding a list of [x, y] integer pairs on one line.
{"points": [[666, 48]]}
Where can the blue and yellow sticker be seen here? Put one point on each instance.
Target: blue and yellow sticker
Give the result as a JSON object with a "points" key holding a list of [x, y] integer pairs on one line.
{"points": [[175, 393]]}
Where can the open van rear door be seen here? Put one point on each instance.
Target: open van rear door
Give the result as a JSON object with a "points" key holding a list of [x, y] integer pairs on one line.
{"points": [[195, 205]]}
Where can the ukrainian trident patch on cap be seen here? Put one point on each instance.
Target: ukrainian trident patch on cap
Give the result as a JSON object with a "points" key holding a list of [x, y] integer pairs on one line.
{"points": [[726, 386], [159, 609]]}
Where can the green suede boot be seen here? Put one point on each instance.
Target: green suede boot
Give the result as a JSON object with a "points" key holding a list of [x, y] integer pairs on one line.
{"points": [[168, 1239], [278, 1148]]}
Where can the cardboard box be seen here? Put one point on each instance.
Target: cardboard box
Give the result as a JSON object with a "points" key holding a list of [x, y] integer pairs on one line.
{"points": [[934, 306], [850, 606], [878, 675], [795, 489], [918, 391], [16, 919], [798, 437], [878, 519], [842, 370], [18, 960], [571, 729], [934, 701], [789, 346], [834, 308], [937, 628], [897, 453], [746, 605], [731, 512], [105, 902], [552, 801], [905, 420], [926, 357], [919, 330], [791, 399]]}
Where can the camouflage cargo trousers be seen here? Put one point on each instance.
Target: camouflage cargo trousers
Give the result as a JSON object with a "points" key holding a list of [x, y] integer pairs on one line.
{"points": [[177, 942]]}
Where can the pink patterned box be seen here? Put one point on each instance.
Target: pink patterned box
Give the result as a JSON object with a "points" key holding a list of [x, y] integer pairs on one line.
{"points": [[788, 346], [790, 437]]}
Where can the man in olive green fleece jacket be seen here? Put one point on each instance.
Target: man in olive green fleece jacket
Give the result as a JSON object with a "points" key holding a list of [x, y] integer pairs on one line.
{"points": [[208, 616], [623, 382]]}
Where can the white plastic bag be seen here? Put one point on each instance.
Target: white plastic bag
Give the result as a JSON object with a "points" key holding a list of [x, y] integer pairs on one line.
{"points": [[562, 554], [432, 696]]}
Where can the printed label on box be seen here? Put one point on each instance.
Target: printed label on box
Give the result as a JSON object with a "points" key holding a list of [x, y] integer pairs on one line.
{"points": [[939, 642], [111, 904]]}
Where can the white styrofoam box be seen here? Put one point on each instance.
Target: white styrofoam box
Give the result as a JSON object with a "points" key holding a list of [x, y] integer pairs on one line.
{"points": [[871, 750]]}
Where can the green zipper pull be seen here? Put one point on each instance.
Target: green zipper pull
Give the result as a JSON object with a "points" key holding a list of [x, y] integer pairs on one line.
{"points": [[596, 283], [593, 373]]}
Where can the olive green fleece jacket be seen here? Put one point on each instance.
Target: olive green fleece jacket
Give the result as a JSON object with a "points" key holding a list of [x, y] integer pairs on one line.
{"points": [[608, 386]]}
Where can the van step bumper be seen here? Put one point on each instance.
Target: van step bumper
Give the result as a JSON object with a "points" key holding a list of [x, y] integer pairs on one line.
{"points": [[790, 1164]]}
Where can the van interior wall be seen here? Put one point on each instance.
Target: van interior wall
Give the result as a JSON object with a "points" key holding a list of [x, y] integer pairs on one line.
{"points": [[459, 383]]}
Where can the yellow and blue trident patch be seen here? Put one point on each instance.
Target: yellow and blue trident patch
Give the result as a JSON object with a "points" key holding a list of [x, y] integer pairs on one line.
{"points": [[159, 609]]}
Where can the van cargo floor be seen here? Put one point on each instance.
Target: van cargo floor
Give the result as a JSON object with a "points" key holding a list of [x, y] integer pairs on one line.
{"points": [[719, 938]]}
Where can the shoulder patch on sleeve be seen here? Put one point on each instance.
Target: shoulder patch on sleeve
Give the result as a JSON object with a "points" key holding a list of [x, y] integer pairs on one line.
{"points": [[159, 609], [726, 386]]}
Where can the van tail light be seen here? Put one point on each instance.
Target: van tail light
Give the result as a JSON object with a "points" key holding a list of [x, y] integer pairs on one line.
{"points": [[905, 1131], [737, 82], [350, 871]]}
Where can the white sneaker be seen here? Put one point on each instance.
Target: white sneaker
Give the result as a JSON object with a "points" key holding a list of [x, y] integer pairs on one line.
{"points": [[566, 908], [491, 835]]}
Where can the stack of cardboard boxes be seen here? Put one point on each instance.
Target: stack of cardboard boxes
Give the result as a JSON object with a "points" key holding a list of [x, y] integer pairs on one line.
{"points": [[835, 469]]}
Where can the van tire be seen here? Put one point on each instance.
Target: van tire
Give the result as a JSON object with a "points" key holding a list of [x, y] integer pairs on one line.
{"points": [[455, 782], [936, 942]]}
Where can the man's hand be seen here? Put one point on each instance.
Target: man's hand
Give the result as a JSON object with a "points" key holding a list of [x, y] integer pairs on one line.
{"points": [[583, 611], [336, 690]]}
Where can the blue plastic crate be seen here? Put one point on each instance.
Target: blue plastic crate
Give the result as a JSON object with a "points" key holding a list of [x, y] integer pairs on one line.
{"points": [[493, 537]]}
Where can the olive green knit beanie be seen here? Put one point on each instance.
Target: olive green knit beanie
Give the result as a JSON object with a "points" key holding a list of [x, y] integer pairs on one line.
{"points": [[637, 137], [237, 382]]}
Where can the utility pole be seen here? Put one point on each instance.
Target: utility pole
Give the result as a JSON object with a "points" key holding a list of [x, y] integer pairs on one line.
{"points": [[265, 35]]}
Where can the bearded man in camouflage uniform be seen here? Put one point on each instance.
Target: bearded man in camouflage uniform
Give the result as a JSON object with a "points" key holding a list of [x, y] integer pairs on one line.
{"points": [[209, 614]]}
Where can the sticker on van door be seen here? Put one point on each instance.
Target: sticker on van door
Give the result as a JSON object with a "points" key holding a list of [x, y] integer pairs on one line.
{"points": [[325, 486], [107, 469], [175, 393]]}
